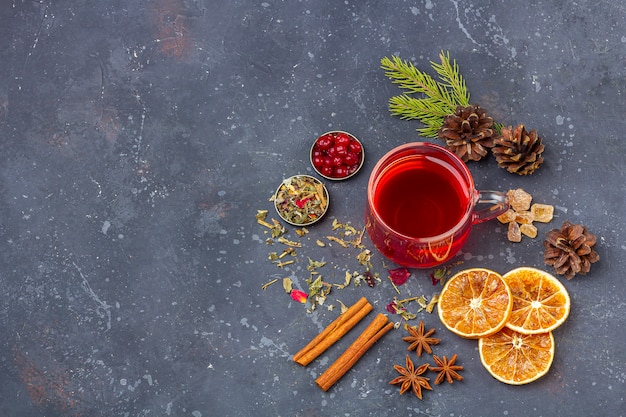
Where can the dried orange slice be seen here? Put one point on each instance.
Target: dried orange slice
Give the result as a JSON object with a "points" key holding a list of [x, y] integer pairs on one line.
{"points": [[475, 302], [515, 358], [540, 301]]}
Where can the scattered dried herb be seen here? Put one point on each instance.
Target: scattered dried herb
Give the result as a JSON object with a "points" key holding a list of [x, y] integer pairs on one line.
{"points": [[313, 265], [267, 284], [275, 227], [288, 242], [287, 285], [337, 240]]}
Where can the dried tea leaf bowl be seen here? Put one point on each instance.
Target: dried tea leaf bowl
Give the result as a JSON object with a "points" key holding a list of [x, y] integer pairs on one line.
{"points": [[301, 200]]}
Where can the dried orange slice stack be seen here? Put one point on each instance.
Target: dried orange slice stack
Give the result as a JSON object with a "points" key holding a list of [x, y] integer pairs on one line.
{"points": [[475, 303], [514, 335]]}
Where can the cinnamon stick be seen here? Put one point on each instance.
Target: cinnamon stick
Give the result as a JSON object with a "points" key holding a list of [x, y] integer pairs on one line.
{"points": [[374, 331], [333, 332]]}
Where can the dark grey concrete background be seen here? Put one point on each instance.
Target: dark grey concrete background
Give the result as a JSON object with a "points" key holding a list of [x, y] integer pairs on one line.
{"points": [[138, 139]]}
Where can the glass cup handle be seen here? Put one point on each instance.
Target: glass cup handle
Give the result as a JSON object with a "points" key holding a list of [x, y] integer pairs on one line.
{"points": [[499, 203]]}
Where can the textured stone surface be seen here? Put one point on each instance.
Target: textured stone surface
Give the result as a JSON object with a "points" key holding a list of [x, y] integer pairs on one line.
{"points": [[138, 139]]}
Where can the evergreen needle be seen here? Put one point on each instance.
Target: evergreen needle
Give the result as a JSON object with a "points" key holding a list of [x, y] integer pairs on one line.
{"points": [[436, 98]]}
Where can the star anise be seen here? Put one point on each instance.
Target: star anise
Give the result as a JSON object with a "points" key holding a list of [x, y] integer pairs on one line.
{"points": [[419, 339], [447, 369], [410, 377]]}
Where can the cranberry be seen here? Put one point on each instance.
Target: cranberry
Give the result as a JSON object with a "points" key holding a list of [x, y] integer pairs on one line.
{"points": [[342, 139], [355, 147], [340, 171], [324, 142], [351, 159], [316, 152], [332, 151], [341, 150], [328, 161], [318, 161], [327, 171], [337, 161]]}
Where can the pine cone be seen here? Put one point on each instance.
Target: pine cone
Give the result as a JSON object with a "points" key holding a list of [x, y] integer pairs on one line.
{"points": [[570, 250], [518, 151], [468, 132]]}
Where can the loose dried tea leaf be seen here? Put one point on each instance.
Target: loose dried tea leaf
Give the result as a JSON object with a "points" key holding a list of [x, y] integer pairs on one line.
{"points": [[422, 301], [543, 212], [301, 232], [320, 243], [514, 233], [364, 257], [359, 238], [287, 285], [399, 275], [288, 242], [519, 199], [528, 230], [267, 284], [432, 303], [348, 278], [313, 265], [287, 251], [439, 275], [285, 263], [337, 240]]}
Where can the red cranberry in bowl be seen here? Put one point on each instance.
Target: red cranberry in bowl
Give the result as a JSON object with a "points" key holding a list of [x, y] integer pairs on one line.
{"points": [[337, 155]]}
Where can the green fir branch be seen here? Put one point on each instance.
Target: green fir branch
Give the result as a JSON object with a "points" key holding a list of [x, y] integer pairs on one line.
{"points": [[452, 79], [436, 98]]}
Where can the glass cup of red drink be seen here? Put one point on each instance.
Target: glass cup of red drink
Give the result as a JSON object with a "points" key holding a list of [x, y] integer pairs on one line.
{"points": [[422, 203]]}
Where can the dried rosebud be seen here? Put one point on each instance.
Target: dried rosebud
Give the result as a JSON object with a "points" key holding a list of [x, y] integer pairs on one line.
{"points": [[369, 278], [391, 307], [399, 275], [298, 296]]}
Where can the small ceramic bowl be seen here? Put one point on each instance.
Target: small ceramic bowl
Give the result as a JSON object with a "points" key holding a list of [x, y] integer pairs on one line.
{"points": [[337, 155], [301, 200]]}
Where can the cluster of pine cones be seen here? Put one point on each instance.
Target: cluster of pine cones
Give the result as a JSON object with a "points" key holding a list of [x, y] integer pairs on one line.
{"points": [[469, 133]]}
